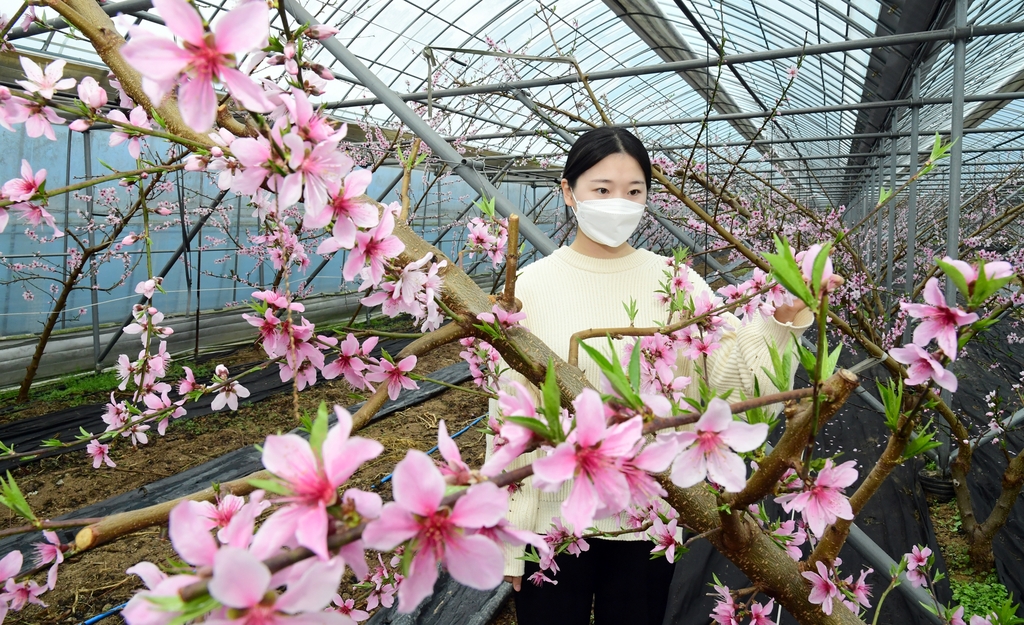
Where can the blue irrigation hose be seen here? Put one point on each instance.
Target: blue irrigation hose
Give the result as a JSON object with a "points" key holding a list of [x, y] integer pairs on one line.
{"points": [[100, 617], [387, 478]]}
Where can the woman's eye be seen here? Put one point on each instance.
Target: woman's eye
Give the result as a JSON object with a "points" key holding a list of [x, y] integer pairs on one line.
{"points": [[602, 190], [635, 192]]}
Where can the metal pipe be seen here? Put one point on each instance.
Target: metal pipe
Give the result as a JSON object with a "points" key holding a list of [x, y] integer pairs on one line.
{"points": [[891, 210], [421, 129], [58, 23], [946, 34], [909, 257], [93, 271]]}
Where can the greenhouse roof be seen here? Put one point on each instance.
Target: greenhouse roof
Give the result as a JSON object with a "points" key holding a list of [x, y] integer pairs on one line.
{"points": [[834, 120]]}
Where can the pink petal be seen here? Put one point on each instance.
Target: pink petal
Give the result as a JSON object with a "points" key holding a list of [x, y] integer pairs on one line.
{"points": [[621, 438], [727, 469], [182, 19], [289, 456], [239, 579], [558, 466], [356, 184], [474, 561], [420, 583], [657, 456], [418, 484], [343, 457], [578, 510], [716, 418], [311, 530], [314, 590], [744, 436], [250, 95], [10, 565], [198, 102], [590, 418], [689, 468], [150, 574], [483, 505], [188, 535], [245, 28], [394, 527]]}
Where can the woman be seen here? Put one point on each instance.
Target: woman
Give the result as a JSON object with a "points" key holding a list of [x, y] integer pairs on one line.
{"points": [[607, 178]]}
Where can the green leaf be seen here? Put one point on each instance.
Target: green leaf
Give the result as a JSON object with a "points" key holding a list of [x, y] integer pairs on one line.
{"points": [[936, 148], [818, 270], [552, 403], [829, 366], [486, 206], [10, 496], [985, 288], [271, 486], [631, 310], [634, 366], [534, 425], [782, 365], [807, 358], [612, 370], [318, 433], [892, 398], [488, 329], [953, 274], [787, 273], [194, 609], [883, 195], [921, 442]]}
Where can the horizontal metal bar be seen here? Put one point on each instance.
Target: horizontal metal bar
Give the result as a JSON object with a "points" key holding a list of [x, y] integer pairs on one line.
{"points": [[946, 34], [58, 23]]}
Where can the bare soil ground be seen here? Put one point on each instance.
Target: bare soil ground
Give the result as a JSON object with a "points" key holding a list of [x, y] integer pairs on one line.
{"points": [[93, 582]]}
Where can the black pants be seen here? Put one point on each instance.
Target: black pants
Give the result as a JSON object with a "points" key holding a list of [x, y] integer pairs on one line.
{"points": [[616, 577]]}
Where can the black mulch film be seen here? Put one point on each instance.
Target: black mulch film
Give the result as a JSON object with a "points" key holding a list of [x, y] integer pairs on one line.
{"points": [[63, 425], [896, 517]]}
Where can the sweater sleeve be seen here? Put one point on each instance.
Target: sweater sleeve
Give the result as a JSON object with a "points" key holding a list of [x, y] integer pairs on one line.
{"points": [[744, 350], [524, 503]]}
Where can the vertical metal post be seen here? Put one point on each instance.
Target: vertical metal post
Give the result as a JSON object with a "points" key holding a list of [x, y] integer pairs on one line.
{"points": [[67, 217], [421, 129], [914, 164], [876, 258], [956, 134], [891, 210], [93, 292]]}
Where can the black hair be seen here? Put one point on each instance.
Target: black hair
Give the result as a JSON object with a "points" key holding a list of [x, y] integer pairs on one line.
{"points": [[594, 145]]}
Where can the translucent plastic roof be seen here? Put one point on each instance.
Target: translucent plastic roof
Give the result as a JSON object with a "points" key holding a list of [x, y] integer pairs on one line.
{"points": [[403, 41]]}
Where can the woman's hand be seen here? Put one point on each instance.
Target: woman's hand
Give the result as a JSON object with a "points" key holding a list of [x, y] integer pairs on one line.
{"points": [[516, 581]]}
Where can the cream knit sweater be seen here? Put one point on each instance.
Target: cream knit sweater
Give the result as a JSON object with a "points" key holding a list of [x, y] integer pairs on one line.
{"points": [[567, 292]]}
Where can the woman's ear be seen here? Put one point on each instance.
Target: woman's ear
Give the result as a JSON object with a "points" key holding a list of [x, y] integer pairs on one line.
{"points": [[567, 194]]}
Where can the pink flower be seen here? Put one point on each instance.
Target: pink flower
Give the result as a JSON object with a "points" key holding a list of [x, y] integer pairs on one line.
{"points": [[229, 392], [35, 215], [861, 591], [47, 552], [148, 287], [940, 322], [994, 270], [792, 72], [20, 594], [590, 456], [510, 439], [822, 588], [44, 83], [98, 451], [921, 367], [137, 118], [824, 502], [348, 214], [10, 565], [317, 173], [188, 383], [26, 187], [348, 362], [321, 32], [91, 93], [312, 479], [455, 470], [502, 317], [724, 612], [443, 535], [709, 450], [393, 374], [347, 607], [203, 58], [242, 583], [664, 537], [37, 118], [374, 247], [806, 261], [762, 614], [956, 617], [917, 564], [140, 609]]}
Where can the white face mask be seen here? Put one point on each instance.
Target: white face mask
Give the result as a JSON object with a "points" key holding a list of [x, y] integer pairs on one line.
{"points": [[608, 221]]}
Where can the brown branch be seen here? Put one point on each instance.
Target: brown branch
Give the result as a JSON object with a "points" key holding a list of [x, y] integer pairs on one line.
{"points": [[799, 429], [47, 525], [508, 296]]}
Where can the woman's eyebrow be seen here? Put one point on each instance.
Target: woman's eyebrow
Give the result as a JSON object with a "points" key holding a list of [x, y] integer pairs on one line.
{"points": [[605, 180]]}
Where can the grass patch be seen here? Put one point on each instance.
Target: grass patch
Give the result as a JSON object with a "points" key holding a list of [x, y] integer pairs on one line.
{"points": [[981, 598], [71, 391]]}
